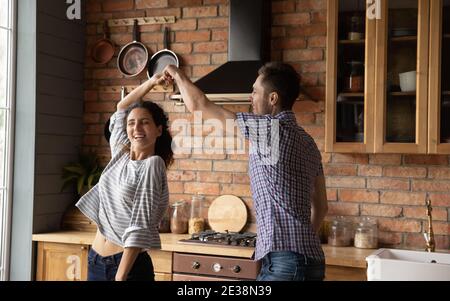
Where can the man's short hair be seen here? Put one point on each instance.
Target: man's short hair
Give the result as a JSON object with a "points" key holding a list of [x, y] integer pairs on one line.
{"points": [[284, 80]]}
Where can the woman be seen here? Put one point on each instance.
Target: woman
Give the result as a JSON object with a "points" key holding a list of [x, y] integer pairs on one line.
{"points": [[132, 195]]}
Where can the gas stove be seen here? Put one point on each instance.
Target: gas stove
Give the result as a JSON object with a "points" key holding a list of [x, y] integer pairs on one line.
{"points": [[246, 239]]}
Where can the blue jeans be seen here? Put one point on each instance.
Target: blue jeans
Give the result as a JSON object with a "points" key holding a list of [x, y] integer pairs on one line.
{"points": [[105, 268], [290, 266]]}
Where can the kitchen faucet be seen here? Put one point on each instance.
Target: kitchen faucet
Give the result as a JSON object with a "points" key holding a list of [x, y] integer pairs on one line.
{"points": [[429, 237]]}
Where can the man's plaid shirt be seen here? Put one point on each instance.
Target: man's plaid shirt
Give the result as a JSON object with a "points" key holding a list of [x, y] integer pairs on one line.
{"points": [[284, 163]]}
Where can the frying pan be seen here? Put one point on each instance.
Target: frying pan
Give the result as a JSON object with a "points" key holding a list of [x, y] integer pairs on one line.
{"points": [[162, 58], [103, 50], [133, 57]]}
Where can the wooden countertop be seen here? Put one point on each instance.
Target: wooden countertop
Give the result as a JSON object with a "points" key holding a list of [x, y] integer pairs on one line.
{"points": [[339, 256]]}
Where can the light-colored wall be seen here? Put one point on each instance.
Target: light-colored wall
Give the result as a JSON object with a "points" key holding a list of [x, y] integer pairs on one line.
{"points": [[48, 130]]}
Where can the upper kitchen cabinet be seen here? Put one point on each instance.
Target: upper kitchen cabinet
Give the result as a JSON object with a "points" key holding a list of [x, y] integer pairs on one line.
{"points": [[400, 75], [439, 93], [350, 77], [401, 82]]}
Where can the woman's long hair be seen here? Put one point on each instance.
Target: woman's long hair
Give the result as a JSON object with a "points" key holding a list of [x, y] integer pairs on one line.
{"points": [[163, 147]]}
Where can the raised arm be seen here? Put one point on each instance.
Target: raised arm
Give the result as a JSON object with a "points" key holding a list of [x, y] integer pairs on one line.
{"points": [[319, 205], [194, 98], [140, 91]]}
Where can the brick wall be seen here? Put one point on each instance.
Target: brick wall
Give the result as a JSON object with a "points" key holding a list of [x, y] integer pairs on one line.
{"points": [[392, 188]]}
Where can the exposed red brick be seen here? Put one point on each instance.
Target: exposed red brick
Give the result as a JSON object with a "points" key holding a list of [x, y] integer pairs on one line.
{"points": [[289, 43], [426, 160], [385, 159], [291, 19], [283, 7], [117, 5], [399, 225], [339, 208], [405, 198], [214, 177], [350, 158], [405, 172], [200, 12], [346, 182], [339, 170], [388, 184], [193, 36], [370, 171], [203, 188], [309, 5], [421, 213], [140, 4], [358, 196], [441, 173], [303, 55], [440, 199], [431, 186], [381, 210], [213, 23], [236, 189]]}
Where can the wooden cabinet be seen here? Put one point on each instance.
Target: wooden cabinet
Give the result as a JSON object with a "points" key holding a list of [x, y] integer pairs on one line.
{"points": [[386, 92], [61, 262], [162, 264]]}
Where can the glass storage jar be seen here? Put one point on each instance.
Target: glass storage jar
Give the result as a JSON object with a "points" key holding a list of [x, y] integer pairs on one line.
{"points": [[196, 220], [179, 222], [366, 234], [340, 232]]}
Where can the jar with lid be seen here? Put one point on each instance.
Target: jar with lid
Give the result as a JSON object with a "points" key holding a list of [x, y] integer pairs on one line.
{"points": [[196, 220], [354, 80], [356, 31], [340, 232], [179, 222], [366, 234]]}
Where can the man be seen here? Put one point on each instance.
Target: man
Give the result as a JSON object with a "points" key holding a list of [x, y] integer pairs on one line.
{"points": [[287, 182]]}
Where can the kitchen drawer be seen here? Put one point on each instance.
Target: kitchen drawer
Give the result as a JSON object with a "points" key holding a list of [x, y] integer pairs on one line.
{"points": [[186, 277]]}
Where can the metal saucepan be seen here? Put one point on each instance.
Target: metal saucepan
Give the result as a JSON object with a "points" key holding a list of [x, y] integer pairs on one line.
{"points": [[106, 132], [133, 57], [162, 58], [103, 50]]}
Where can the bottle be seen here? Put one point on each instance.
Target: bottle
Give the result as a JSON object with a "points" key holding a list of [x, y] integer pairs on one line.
{"points": [[354, 81], [196, 220], [340, 232], [178, 222], [366, 234]]}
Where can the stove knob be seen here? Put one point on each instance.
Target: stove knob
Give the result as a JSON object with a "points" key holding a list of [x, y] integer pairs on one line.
{"points": [[196, 265], [236, 269], [217, 267]]}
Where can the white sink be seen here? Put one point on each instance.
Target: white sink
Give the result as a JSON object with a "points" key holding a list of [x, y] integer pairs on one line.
{"points": [[404, 265]]}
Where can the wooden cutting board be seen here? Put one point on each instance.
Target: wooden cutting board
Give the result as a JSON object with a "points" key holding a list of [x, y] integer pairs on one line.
{"points": [[227, 212]]}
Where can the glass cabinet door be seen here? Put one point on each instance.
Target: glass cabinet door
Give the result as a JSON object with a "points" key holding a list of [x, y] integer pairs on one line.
{"points": [[350, 77], [402, 77], [439, 94]]}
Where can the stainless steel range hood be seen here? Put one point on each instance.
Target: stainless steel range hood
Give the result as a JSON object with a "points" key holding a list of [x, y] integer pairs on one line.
{"points": [[248, 49]]}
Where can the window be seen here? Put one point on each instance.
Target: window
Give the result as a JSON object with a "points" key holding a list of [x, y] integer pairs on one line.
{"points": [[7, 75]]}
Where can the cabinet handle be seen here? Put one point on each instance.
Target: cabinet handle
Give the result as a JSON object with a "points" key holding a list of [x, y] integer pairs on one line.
{"points": [[83, 248], [195, 265]]}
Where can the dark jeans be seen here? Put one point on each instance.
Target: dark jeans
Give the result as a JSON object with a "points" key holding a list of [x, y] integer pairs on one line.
{"points": [[105, 268], [290, 266]]}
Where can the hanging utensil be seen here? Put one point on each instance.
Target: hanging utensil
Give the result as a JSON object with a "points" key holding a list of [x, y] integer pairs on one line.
{"points": [[103, 50], [133, 57], [162, 58]]}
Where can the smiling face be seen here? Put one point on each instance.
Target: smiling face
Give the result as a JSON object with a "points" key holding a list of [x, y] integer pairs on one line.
{"points": [[142, 131], [260, 99]]}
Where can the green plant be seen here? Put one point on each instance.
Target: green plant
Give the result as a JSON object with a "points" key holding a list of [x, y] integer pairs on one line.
{"points": [[85, 173]]}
